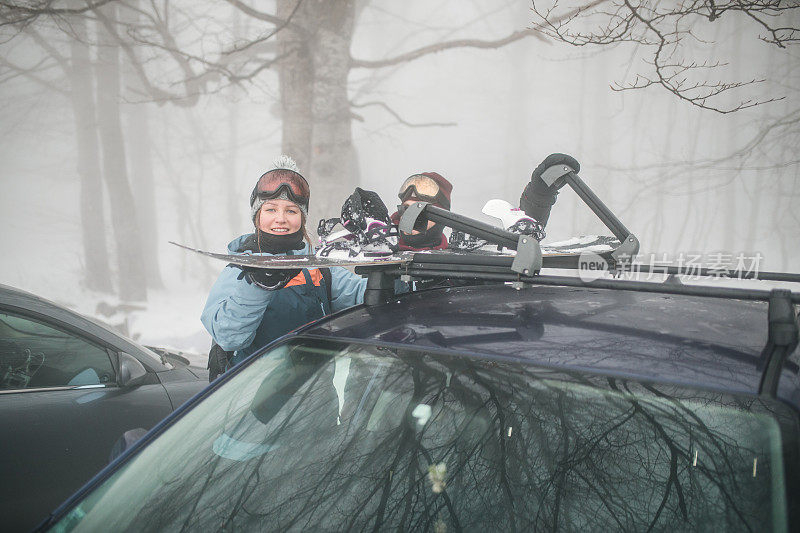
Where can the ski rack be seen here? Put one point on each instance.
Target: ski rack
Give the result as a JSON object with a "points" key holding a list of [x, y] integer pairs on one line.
{"points": [[782, 320], [524, 268], [557, 176], [529, 255], [528, 259]]}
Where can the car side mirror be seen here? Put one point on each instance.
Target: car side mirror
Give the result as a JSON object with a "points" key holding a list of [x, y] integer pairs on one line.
{"points": [[131, 371]]}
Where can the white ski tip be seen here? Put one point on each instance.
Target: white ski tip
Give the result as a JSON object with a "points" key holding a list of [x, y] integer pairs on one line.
{"points": [[506, 213]]}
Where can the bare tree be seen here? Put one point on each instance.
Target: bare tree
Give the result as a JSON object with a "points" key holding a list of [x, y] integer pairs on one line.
{"points": [[71, 68], [130, 261], [82, 93], [669, 34], [305, 42], [142, 174]]}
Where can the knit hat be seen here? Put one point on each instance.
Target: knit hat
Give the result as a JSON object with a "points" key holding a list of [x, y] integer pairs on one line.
{"points": [[445, 188]]}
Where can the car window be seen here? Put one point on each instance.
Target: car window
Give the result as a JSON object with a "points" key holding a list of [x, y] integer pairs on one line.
{"points": [[37, 355], [318, 435]]}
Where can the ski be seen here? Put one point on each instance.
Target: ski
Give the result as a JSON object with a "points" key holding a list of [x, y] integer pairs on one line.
{"points": [[585, 243]]}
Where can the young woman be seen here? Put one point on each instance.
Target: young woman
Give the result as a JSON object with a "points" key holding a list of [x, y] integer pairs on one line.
{"points": [[247, 308]]}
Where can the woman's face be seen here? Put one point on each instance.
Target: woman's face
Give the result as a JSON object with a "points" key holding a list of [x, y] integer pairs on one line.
{"points": [[280, 217]]}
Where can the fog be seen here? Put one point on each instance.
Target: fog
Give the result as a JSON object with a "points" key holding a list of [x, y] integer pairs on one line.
{"points": [[210, 93]]}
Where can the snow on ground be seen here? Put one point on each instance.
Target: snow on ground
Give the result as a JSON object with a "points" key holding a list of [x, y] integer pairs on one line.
{"points": [[170, 319]]}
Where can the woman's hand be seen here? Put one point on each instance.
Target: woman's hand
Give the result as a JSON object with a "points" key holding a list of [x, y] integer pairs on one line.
{"points": [[267, 278]]}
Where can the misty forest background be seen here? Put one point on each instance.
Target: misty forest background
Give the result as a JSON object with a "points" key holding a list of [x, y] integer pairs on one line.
{"points": [[127, 124]]}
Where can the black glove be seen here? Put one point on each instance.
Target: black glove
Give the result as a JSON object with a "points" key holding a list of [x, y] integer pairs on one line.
{"points": [[218, 361], [362, 210], [267, 278], [538, 197]]}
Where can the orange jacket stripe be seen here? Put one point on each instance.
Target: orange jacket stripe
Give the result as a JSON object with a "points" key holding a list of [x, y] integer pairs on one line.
{"points": [[300, 279]]}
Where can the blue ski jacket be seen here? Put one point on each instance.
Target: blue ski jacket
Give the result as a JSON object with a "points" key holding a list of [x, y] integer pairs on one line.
{"points": [[243, 317]]}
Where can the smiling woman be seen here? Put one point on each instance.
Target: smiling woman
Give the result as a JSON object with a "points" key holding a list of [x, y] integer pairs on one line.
{"points": [[249, 307]]}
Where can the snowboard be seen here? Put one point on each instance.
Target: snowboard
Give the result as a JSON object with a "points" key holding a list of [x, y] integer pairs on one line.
{"points": [[304, 261], [345, 249], [572, 247]]}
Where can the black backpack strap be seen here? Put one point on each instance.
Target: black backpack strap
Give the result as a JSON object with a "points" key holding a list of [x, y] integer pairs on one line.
{"points": [[328, 277]]}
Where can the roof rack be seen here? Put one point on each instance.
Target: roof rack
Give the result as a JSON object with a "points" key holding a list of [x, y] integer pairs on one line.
{"points": [[525, 266], [783, 330]]}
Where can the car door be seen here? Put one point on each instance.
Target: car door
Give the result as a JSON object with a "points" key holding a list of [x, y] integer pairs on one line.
{"points": [[61, 412]]}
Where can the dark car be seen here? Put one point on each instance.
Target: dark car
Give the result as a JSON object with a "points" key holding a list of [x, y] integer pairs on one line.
{"points": [[480, 408], [527, 403], [71, 389]]}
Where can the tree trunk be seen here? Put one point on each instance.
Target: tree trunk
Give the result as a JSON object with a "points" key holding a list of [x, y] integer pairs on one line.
{"points": [[144, 192], [333, 158], [142, 176], [295, 78], [234, 203], [132, 279], [315, 105], [95, 251]]}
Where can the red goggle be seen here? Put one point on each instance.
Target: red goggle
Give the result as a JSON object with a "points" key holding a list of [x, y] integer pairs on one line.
{"points": [[278, 181]]}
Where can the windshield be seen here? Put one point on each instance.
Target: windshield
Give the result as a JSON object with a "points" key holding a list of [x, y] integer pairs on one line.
{"points": [[321, 435]]}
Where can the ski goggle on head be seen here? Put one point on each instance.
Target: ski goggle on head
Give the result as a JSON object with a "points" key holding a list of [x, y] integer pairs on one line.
{"points": [[423, 188], [282, 184]]}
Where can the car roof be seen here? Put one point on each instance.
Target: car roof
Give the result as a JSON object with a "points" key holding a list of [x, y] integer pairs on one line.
{"points": [[691, 340], [13, 297]]}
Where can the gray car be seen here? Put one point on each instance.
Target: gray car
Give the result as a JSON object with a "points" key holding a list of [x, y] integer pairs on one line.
{"points": [[73, 393]]}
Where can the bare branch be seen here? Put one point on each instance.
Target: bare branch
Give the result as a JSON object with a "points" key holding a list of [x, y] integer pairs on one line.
{"points": [[462, 43], [48, 47], [189, 98], [781, 36], [29, 73], [12, 13], [439, 47], [663, 27], [260, 15], [194, 80], [271, 34], [399, 118]]}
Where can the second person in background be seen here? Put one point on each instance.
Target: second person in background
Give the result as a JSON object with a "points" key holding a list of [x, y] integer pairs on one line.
{"points": [[426, 187]]}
